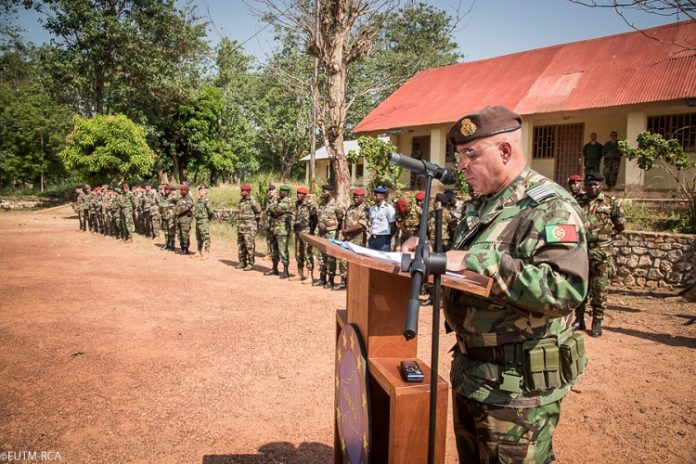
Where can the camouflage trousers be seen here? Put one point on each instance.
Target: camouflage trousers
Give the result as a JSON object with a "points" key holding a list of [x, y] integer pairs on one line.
{"points": [[203, 236], [278, 248], [342, 265], [118, 230], [327, 263], [183, 226], [95, 223], [83, 216], [246, 246], [599, 282], [303, 252], [128, 226], [489, 434], [169, 226], [611, 171], [156, 220]]}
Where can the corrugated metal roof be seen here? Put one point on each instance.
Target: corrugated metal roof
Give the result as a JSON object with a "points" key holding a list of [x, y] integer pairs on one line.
{"points": [[623, 69]]}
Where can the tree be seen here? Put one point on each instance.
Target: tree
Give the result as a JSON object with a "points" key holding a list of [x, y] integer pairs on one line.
{"points": [[654, 151], [374, 152], [104, 149], [341, 34]]}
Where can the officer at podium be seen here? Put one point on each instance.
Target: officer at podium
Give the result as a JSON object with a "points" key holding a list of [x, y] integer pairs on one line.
{"points": [[516, 354]]}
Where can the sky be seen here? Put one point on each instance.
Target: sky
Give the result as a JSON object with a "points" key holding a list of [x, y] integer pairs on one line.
{"points": [[492, 27]]}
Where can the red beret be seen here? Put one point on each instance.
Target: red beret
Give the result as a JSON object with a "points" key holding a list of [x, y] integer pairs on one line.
{"points": [[402, 204], [302, 190], [360, 192], [167, 187], [183, 187], [246, 188], [420, 196], [575, 178]]}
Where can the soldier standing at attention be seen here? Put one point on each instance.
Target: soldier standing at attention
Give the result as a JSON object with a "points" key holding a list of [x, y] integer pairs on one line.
{"points": [[155, 214], [147, 203], [80, 199], [592, 154], [270, 239], [527, 235], [408, 218], [330, 219], [184, 216], [304, 220], [280, 223], [603, 218], [168, 205], [84, 208], [575, 186], [203, 214], [94, 210], [612, 160], [249, 215], [354, 230], [441, 202], [127, 203]]}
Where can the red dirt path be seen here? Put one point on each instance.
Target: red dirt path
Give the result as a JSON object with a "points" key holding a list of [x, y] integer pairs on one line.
{"points": [[126, 353]]}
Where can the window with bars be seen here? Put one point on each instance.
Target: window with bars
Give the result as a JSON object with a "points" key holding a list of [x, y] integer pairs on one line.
{"points": [[681, 127], [543, 145]]}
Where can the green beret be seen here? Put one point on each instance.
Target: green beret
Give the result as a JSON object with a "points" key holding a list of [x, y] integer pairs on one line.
{"points": [[285, 188], [491, 120], [327, 188]]}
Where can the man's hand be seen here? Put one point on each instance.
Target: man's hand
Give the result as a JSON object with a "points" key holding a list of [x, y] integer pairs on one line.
{"points": [[456, 259]]}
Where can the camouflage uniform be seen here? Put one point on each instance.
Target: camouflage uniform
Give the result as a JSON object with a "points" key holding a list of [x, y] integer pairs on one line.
{"points": [[592, 155], [446, 220], [271, 244], [184, 215], [602, 216], [612, 162], [167, 210], [249, 215], [155, 215], [280, 224], [95, 212], [355, 214], [529, 238], [82, 208], [407, 224], [108, 214], [127, 204], [203, 214], [116, 215], [305, 217], [330, 215]]}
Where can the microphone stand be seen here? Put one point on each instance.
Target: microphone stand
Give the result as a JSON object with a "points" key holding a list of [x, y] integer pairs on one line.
{"points": [[423, 264]]}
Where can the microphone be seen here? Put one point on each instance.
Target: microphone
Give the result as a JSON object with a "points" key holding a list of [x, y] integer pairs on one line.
{"points": [[444, 175]]}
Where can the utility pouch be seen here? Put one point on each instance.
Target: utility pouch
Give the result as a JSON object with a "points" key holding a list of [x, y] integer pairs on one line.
{"points": [[542, 364], [573, 358]]}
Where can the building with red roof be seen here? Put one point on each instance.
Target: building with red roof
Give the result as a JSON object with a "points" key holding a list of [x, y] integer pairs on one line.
{"points": [[631, 82]]}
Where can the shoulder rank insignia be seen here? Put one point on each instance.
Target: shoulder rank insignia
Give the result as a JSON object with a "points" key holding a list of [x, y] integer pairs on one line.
{"points": [[540, 192], [561, 233]]}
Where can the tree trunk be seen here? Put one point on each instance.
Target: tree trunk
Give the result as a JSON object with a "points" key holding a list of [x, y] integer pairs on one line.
{"points": [[175, 167]]}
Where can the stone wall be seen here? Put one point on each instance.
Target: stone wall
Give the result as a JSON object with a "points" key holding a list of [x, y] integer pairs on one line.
{"points": [[651, 260]]}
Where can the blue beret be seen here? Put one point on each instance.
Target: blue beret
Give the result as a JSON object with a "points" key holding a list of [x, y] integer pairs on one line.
{"points": [[380, 189], [594, 176]]}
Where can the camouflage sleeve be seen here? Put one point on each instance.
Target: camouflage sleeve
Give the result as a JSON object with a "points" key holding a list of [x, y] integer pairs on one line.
{"points": [[209, 210], [256, 208], [617, 214], [363, 220], [541, 273]]}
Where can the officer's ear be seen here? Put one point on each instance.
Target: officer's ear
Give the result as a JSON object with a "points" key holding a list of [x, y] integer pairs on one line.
{"points": [[505, 150]]}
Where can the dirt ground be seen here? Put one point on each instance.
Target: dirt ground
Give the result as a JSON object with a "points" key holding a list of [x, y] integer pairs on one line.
{"points": [[125, 353]]}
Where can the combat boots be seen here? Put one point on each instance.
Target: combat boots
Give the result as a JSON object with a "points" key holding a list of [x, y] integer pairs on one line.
{"points": [[596, 327], [579, 323], [330, 281], [284, 274], [342, 285], [273, 271], [322, 280]]}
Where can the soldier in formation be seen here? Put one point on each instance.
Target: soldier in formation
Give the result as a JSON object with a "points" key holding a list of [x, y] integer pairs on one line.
{"points": [[305, 218], [280, 225], [203, 214], [168, 214], [330, 219], [355, 226], [184, 216], [603, 219], [247, 226]]}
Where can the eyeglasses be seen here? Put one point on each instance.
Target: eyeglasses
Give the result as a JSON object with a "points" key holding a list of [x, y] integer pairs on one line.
{"points": [[471, 153]]}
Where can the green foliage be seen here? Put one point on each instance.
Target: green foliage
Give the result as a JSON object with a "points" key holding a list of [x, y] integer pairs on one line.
{"points": [[104, 149], [374, 152], [668, 155]]}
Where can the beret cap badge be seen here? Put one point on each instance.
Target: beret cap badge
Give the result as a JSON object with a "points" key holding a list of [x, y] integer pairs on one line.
{"points": [[468, 128]]}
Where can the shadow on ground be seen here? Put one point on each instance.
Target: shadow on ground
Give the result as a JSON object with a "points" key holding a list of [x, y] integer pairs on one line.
{"points": [[278, 453], [666, 339]]}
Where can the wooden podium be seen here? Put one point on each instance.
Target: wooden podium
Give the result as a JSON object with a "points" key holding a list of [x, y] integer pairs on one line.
{"points": [[377, 296]]}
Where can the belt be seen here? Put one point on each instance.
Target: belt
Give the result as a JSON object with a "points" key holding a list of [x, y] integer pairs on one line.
{"points": [[490, 354]]}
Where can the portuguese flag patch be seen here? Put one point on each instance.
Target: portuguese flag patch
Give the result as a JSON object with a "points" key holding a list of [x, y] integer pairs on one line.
{"points": [[561, 233]]}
